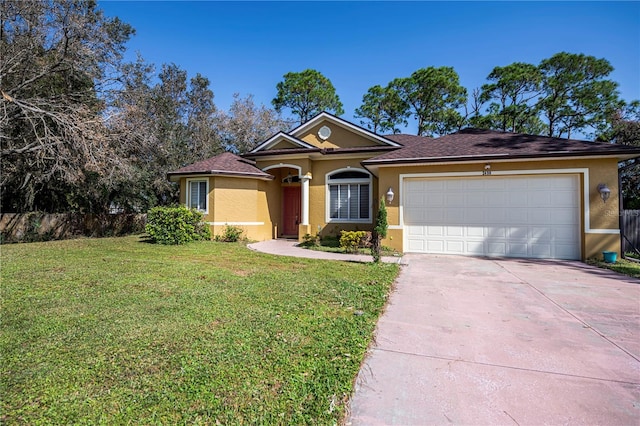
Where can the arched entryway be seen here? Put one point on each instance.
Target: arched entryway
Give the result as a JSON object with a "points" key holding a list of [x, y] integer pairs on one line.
{"points": [[293, 198]]}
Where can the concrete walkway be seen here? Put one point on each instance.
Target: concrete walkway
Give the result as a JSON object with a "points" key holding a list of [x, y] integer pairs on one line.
{"points": [[284, 247], [504, 342]]}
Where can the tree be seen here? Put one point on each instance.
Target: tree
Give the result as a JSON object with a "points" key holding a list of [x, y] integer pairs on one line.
{"points": [[307, 93], [434, 96], [247, 124], [625, 130], [55, 62], [379, 231], [512, 92], [576, 95], [383, 110], [163, 127]]}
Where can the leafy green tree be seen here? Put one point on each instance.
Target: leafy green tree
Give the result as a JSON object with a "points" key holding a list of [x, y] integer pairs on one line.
{"points": [[164, 126], [383, 110], [625, 130], [576, 94], [512, 91], [307, 93], [434, 96]]}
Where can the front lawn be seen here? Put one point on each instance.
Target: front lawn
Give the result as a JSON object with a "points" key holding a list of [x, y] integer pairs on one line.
{"points": [[117, 331]]}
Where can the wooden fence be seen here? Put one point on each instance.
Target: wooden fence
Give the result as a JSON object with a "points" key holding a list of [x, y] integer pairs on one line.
{"points": [[38, 226], [631, 227]]}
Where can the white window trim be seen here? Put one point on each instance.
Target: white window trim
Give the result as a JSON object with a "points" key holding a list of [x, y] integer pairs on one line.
{"points": [[188, 195], [328, 218]]}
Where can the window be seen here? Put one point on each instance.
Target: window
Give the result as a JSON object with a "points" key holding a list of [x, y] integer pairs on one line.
{"points": [[349, 192], [197, 194]]}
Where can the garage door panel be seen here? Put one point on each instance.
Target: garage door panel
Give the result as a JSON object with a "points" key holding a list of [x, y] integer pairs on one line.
{"points": [[517, 199], [563, 217], [518, 249], [516, 215], [436, 200], [539, 198], [565, 234], [476, 231], [436, 246], [474, 247], [454, 247], [497, 249], [541, 250], [539, 216], [497, 216], [564, 251], [418, 231], [518, 233], [540, 234], [497, 232], [454, 200], [560, 198], [476, 200]]}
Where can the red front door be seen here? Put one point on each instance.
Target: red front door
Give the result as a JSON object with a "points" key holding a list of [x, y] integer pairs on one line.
{"points": [[290, 210]]}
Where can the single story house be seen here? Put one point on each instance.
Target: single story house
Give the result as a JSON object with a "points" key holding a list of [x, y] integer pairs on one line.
{"points": [[475, 192]]}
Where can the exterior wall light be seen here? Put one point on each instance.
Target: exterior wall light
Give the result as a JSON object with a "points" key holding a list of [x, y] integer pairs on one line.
{"points": [[390, 195], [604, 191], [289, 178]]}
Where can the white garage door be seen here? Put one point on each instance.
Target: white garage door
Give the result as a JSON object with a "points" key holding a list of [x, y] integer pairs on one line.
{"points": [[536, 216]]}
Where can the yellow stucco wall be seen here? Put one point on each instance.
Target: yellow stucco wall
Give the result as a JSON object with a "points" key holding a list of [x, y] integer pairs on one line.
{"points": [[284, 144], [340, 137], [241, 202], [236, 201]]}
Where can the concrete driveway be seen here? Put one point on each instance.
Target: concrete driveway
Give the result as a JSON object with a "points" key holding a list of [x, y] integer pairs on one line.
{"points": [[503, 342]]}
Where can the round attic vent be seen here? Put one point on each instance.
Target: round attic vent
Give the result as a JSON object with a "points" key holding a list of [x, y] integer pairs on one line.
{"points": [[324, 132]]}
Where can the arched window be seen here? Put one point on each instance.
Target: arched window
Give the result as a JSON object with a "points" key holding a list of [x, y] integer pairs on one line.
{"points": [[349, 195]]}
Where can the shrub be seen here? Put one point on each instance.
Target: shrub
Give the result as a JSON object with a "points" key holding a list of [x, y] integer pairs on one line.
{"points": [[351, 240], [176, 225], [309, 240], [231, 234]]}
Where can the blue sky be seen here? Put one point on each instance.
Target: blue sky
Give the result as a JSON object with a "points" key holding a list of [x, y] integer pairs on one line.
{"points": [[247, 47]]}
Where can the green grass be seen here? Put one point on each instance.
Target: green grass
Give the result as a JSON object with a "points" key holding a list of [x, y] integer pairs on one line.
{"points": [[115, 331], [622, 266]]}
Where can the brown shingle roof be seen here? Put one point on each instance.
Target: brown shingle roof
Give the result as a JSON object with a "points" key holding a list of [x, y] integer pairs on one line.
{"points": [[224, 164], [471, 144], [405, 140]]}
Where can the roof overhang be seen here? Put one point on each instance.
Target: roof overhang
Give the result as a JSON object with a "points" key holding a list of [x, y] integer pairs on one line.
{"points": [[374, 166], [175, 177]]}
